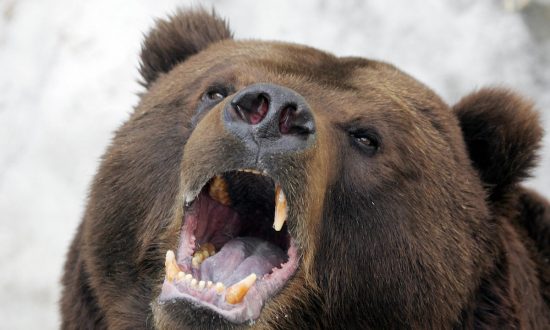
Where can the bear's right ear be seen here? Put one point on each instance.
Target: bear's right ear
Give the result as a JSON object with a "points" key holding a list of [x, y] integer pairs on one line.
{"points": [[503, 134], [173, 40]]}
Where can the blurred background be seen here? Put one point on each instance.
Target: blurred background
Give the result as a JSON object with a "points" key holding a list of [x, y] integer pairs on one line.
{"points": [[68, 72]]}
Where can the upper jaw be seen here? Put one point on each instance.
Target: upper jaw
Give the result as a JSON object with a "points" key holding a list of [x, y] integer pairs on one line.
{"points": [[194, 185]]}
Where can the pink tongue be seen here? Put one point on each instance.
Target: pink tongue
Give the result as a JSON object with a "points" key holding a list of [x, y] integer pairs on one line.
{"points": [[239, 258]]}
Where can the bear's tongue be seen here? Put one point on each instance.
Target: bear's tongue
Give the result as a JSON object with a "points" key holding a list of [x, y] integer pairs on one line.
{"points": [[241, 257]]}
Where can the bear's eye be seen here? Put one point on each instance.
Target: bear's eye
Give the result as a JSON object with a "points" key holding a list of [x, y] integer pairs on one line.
{"points": [[366, 141], [214, 95], [211, 97]]}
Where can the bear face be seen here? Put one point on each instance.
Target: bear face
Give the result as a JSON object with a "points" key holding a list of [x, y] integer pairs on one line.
{"points": [[275, 185], [369, 199]]}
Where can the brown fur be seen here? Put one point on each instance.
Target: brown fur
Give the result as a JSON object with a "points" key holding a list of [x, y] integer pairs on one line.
{"points": [[431, 231]]}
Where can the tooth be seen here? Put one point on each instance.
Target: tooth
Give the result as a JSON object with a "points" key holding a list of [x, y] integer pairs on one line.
{"points": [[235, 293], [188, 277], [209, 247], [202, 284], [198, 255], [181, 276], [280, 208], [171, 266], [194, 282], [209, 284], [196, 261], [170, 255], [218, 190], [219, 287], [189, 200]]}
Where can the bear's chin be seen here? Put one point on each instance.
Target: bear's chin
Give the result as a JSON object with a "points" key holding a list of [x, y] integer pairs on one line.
{"points": [[234, 251]]}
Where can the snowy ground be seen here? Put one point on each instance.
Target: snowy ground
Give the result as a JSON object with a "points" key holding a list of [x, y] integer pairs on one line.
{"points": [[68, 72]]}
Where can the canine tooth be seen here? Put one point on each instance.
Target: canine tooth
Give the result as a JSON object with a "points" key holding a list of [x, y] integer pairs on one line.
{"points": [[202, 284], [219, 287], [170, 255], [235, 293], [280, 208], [218, 190], [171, 266]]}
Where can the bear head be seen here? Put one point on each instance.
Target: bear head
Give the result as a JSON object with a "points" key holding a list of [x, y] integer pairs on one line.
{"points": [[276, 185]]}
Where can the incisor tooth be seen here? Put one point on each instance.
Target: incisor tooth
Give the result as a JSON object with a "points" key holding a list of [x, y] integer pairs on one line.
{"points": [[219, 287], [209, 284], [171, 266], [188, 277], [235, 293], [218, 190], [181, 276], [280, 208], [202, 284]]}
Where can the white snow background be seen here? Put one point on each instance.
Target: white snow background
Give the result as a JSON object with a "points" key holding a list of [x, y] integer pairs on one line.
{"points": [[68, 72]]}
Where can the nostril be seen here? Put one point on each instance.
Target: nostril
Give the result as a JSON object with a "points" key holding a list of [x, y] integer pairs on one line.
{"points": [[252, 108], [285, 121], [295, 121]]}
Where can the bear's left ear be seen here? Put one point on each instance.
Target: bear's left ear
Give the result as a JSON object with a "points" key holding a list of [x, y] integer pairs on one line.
{"points": [[502, 133], [173, 40]]}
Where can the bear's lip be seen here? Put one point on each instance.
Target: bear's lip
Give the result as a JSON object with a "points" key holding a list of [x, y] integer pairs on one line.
{"points": [[232, 214]]}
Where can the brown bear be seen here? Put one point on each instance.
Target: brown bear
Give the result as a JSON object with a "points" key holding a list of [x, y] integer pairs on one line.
{"points": [[275, 186]]}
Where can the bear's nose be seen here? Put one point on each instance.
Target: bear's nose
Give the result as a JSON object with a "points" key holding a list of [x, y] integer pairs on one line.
{"points": [[270, 112]]}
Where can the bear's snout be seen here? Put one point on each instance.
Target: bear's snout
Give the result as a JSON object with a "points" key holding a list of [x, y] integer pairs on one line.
{"points": [[269, 114]]}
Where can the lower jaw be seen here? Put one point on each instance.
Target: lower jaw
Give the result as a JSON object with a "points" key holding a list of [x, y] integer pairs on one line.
{"points": [[248, 309]]}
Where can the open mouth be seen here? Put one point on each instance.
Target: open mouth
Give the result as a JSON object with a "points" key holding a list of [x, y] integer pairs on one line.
{"points": [[235, 251]]}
